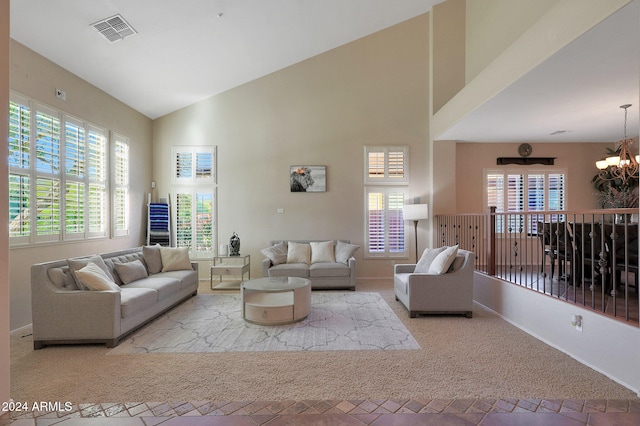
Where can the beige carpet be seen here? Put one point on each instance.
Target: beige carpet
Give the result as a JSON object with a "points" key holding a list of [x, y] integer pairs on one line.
{"points": [[482, 357]]}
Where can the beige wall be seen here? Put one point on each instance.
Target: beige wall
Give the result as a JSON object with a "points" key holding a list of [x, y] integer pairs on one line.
{"points": [[576, 159], [492, 25], [4, 195], [36, 77], [322, 111]]}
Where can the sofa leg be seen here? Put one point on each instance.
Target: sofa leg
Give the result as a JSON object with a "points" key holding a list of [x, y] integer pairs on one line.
{"points": [[468, 314], [112, 343], [37, 344], [412, 314]]}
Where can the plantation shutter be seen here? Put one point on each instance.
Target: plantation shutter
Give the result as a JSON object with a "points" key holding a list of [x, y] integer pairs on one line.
{"points": [[19, 160], [385, 225], [184, 223], [97, 178], [386, 165], [194, 165], [120, 186]]}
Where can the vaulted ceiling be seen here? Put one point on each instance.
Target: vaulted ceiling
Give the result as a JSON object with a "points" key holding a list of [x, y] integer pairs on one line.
{"points": [[189, 50]]}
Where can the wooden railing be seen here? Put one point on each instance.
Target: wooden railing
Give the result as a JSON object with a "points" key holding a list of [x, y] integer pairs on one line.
{"points": [[588, 258]]}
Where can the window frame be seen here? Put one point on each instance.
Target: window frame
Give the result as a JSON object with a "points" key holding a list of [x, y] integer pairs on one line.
{"points": [[120, 184], [386, 184], [514, 225], [197, 186], [79, 155]]}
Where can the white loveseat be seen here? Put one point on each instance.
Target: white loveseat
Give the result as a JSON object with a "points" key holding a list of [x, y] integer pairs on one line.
{"points": [[65, 313], [329, 264]]}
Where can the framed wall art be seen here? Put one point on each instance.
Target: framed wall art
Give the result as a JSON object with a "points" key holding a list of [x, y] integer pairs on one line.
{"points": [[308, 178]]}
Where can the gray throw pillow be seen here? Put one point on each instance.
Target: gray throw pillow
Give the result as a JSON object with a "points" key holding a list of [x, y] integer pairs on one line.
{"points": [[427, 258], [344, 251], [152, 258], [130, 271]]}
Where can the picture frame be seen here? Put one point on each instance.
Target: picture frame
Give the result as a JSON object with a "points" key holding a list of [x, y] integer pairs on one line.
{"points": [[308, 178]]}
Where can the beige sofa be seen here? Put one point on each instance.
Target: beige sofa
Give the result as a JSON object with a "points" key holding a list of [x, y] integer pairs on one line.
{"points": [[337, 272], [63, 313]]}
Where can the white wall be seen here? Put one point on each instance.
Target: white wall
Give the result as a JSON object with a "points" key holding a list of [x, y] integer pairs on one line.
{"points": [[606, 345], [322, 111], [36, 77]]}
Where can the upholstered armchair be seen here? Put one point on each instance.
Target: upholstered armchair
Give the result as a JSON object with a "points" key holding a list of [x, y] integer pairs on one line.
{"points": [[429, 293]]}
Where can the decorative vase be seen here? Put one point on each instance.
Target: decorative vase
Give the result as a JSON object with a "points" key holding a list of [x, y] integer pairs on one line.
{"points": [[234, 245]]}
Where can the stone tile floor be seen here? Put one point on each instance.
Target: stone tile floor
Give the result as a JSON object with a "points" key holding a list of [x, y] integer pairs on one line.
{"points": [[486, 412]]}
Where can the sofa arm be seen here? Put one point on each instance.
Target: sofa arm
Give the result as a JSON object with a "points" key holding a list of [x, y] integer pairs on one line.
{"points": [[75, 314], [403, 268], [266, 264]]}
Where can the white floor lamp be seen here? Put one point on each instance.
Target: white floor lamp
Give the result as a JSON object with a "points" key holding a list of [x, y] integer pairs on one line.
{"points": [[415, 212]]}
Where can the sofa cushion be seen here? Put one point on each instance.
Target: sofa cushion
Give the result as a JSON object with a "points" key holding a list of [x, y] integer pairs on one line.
{"points": [[298, 253], [322, 252], [135, 300], [175, 258], [327, 269], [300, 270], [427, 258], [277, 253], [152, 258], [163, 285], [94, 278], [344, 251], [443, 261], [79, 263], [62, 278], [130, 271], [186, 277]]}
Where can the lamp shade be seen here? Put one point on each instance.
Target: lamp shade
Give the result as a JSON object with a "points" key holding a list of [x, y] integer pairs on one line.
{"points": [[415, 211]]}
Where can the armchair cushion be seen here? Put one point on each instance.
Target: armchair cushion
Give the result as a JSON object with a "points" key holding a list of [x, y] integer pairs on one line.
{"points": [[443, 261], [427, 258]]}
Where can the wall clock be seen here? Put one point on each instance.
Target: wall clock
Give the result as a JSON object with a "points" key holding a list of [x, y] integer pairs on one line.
{"points": [[525, 150]]}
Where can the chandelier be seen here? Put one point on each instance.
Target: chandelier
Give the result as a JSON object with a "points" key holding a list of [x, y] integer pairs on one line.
{"points": [[624, 165]]}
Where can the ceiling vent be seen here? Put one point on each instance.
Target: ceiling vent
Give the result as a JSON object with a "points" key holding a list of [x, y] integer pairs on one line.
{"points": [[114, 28]]}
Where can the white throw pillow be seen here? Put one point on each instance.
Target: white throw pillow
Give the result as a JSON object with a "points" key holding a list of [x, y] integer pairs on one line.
{"points": [[344, 251], [277, 253], [175, 258], [427, 258], [322, 252], [443, 261], [130, 271], [78, 263], [94, 278], [298, 253]]}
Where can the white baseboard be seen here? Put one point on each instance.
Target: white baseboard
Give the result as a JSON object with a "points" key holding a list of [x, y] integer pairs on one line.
{"points": [[22, 331]]}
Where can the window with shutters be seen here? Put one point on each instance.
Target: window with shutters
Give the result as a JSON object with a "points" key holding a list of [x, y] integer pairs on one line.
{"points": [[58, 175], [524, 191], [194, 199], [386, 179], [120, 161]]}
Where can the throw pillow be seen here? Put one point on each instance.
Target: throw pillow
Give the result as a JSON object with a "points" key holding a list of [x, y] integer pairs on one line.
{"points": [[152, 258], [79, 263], [322, 252], [277, 253], [94, 278], [175, 258], [427, 258], [298, 253], [130, 271], [344, 251], [442, 261]]}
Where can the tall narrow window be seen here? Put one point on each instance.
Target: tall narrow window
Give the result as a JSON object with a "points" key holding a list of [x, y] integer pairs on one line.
{"points": [[48, 179], [120, 191], [194, 190], [386, 179], [19, 170], [97, 180]]}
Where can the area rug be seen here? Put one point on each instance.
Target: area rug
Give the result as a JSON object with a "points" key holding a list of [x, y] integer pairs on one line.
{"points": [[213, 323]]}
